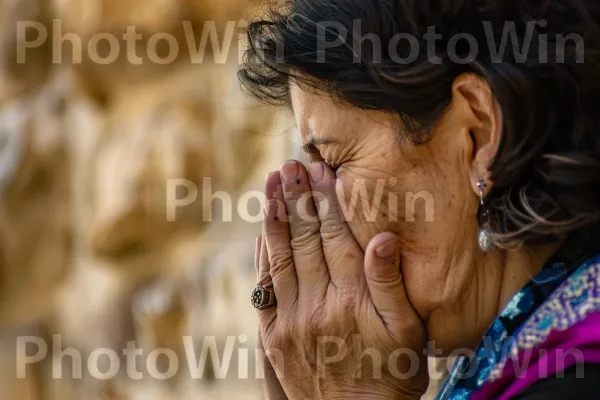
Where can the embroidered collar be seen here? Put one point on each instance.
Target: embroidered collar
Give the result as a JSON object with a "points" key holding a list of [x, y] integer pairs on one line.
{"points": [[502, 339]]}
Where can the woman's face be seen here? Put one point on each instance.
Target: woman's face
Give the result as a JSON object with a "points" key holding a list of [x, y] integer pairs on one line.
{"points": [[387, 183]]}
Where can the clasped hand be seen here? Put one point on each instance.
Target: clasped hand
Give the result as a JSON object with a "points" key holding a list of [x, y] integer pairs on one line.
{"points": [[343, 326]]}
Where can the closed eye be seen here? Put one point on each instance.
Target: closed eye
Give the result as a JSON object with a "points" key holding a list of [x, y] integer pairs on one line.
{"points": [[333, 166], [314, 155]]}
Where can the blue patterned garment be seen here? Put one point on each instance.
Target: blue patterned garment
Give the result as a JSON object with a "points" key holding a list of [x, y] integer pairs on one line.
{"points": [[502, 339]]}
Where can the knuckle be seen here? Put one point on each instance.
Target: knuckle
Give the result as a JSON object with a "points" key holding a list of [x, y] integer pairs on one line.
{"points": [[387, 278], [305, 237], [280, 258], [304, 232], [273, 341], [404, 327], [286, 334], [411, 323], [346, 298], [332, 229], [325, 321], [317, 323], [280, 263], [336, 324]]}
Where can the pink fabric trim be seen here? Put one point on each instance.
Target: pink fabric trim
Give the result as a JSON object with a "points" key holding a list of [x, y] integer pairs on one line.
{"points": [[563, 349]]}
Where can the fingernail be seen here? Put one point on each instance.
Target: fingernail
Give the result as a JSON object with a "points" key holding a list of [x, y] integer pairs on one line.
{"points": [[289, 170], [387, 250], [316, 172]]}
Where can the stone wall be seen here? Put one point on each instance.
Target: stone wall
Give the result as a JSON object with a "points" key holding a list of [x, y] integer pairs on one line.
{"points": [[92, 154]]}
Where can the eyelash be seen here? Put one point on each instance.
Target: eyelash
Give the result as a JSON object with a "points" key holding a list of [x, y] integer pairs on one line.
{"points": [[333, 166], [315, 155]]}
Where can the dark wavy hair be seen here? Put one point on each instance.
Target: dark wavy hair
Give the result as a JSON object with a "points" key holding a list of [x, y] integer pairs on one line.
{"points": [[547, 170]]}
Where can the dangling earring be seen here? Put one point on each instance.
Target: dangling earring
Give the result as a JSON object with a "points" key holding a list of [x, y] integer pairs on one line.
{"points": [[486, 243]]}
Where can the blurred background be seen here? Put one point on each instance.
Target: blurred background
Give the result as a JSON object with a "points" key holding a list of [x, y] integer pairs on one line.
{"points": [[131, 166]]}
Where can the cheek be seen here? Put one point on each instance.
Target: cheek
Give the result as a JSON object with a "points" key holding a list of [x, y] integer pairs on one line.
{"points": [[376, 204], [369, 205]]}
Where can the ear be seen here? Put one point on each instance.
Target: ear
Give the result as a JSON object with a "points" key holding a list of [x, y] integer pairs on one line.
{"points": [[482, 116]]}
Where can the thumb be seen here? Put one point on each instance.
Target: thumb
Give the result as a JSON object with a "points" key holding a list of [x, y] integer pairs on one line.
{"points": [[386, 283]]}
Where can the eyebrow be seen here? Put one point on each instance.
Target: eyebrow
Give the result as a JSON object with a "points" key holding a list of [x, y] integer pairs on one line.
{"points": [[312, 145]]}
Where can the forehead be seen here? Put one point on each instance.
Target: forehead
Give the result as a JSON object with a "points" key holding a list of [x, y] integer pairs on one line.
{"points": [[320, 115], [310, 104]]}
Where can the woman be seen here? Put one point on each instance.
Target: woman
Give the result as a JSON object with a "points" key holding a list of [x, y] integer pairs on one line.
{"points": [[452, 204]]}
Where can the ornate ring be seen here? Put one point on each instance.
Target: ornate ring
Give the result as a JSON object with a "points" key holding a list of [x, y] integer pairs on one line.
{"points": [[263, 297]]}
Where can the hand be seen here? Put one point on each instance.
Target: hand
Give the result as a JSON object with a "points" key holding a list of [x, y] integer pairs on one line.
{"points": [[273, 388], [343, 326]]}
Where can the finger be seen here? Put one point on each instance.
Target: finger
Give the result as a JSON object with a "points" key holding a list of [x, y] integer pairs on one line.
{"points": [[277, 236], [266, 317], [272, 386], [264, 278], [257, 247], [343, 255], [304, 227], [386, 284]]}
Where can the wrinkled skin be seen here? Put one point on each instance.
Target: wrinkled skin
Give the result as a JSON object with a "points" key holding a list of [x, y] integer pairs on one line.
{"points": [[433, 284], [346, 301]]}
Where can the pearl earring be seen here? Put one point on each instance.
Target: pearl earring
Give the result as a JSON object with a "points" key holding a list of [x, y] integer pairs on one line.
{"points": [[486, 243]]}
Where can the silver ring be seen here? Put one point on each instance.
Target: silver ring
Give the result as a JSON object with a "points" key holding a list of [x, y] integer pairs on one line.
{"points": [[263, 297]]}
